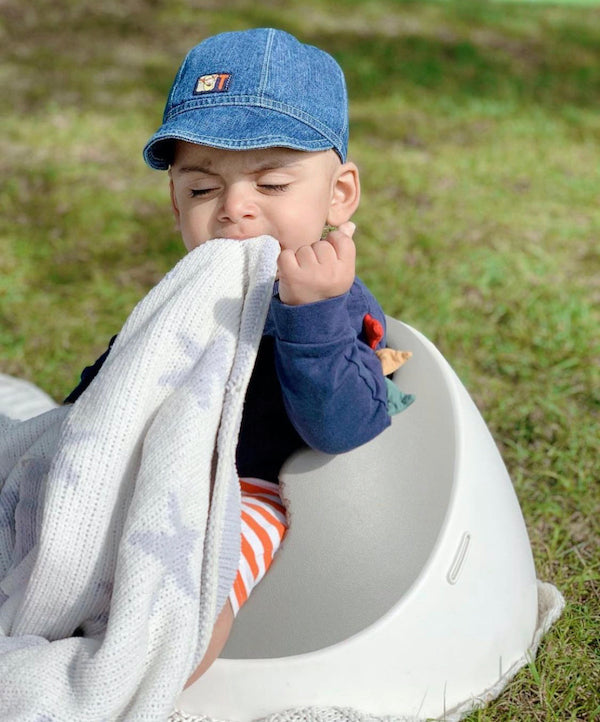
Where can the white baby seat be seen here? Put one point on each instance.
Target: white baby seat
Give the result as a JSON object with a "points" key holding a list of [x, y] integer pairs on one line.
{"points": [[405, 585]]}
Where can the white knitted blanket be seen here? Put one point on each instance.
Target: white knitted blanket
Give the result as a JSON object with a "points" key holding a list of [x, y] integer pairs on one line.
{"points": [[119, 516]]}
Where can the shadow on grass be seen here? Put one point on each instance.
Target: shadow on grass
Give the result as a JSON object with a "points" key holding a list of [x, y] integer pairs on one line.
{"points": [[118, 55], [119, 58]]}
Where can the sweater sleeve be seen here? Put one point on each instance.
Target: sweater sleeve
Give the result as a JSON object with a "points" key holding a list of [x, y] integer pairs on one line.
{"points": [[332, 382], [88, 374]]}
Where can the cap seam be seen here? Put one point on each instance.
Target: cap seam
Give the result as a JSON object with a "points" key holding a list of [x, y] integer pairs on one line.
{"points": [[265, 68]]}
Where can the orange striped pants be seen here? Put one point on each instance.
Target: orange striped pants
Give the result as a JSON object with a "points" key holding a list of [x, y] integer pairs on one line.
{"points": [[263, 528]]}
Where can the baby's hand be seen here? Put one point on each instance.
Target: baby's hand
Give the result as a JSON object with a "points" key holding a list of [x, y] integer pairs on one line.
{"points": [[323, 270]]}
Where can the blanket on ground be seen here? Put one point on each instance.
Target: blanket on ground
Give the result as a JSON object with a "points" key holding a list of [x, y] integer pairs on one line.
{"points": [[119, 516]]}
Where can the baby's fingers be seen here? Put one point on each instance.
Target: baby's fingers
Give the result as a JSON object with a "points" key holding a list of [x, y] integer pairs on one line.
{"points": [[286, 262], [343, 244], [348, 228], [324, 252]]}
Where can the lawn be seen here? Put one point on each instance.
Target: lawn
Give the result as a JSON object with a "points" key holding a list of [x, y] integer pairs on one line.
{"points": [[476, 127]]}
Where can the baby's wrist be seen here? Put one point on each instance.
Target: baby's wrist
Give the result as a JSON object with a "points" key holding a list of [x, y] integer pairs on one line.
{"points": [[304, 296]]}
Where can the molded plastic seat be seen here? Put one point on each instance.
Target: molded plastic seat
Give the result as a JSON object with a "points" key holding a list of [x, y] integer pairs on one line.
{"points": [[405, 583]]}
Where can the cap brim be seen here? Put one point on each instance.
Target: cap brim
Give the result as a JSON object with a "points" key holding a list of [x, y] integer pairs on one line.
{"points": [[235, 128]]}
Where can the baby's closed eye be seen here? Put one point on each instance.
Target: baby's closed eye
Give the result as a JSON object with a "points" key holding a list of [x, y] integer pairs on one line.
{"points": [[273, 187], [198, 192]]}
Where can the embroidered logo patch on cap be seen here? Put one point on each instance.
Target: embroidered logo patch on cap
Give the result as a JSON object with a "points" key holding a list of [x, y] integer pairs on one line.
{"points": [[213, 83]]}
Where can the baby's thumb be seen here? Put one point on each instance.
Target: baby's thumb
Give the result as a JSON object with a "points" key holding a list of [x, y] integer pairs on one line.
{"points": [[348, 228]]}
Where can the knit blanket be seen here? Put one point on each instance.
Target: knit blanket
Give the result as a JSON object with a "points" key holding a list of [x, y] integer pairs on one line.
{"points": [[120, 515]]}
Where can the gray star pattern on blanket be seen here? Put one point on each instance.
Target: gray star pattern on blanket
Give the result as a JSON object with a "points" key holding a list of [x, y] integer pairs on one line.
{"points": [[35, 469], [203, 387], [177, 377], [173, 550], [200, 386], [71, 475]]}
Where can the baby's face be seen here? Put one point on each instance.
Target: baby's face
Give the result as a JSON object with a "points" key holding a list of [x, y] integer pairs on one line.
{"points": [[284, 193]]}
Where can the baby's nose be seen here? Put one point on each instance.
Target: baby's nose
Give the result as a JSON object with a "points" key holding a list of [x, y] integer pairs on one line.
{"points": [[237, 204]]}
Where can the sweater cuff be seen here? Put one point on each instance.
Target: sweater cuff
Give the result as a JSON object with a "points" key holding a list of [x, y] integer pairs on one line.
{"points": [[312, 323]]}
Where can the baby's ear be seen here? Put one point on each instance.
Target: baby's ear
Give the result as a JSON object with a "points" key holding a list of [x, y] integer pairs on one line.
{"points": [[345, 194]]}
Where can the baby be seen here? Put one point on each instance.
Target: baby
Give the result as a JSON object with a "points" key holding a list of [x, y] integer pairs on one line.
{"points": [[254, 138]]}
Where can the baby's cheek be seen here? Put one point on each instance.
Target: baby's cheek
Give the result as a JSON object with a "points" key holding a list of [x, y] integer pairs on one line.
{"points": [[305, 234], [290, 240]]}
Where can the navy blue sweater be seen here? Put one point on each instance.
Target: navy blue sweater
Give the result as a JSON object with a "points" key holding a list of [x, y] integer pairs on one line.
{"points": [[316, 382]]}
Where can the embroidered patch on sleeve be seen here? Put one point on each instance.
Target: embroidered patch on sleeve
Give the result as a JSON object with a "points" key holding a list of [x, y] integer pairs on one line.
{"points": [[213, 83]]}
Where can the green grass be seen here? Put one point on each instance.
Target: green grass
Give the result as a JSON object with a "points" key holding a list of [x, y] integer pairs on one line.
{"points": [[476, 129]]}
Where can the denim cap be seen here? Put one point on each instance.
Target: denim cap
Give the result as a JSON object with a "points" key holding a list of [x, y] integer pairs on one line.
{"points": [[257, 88]]}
